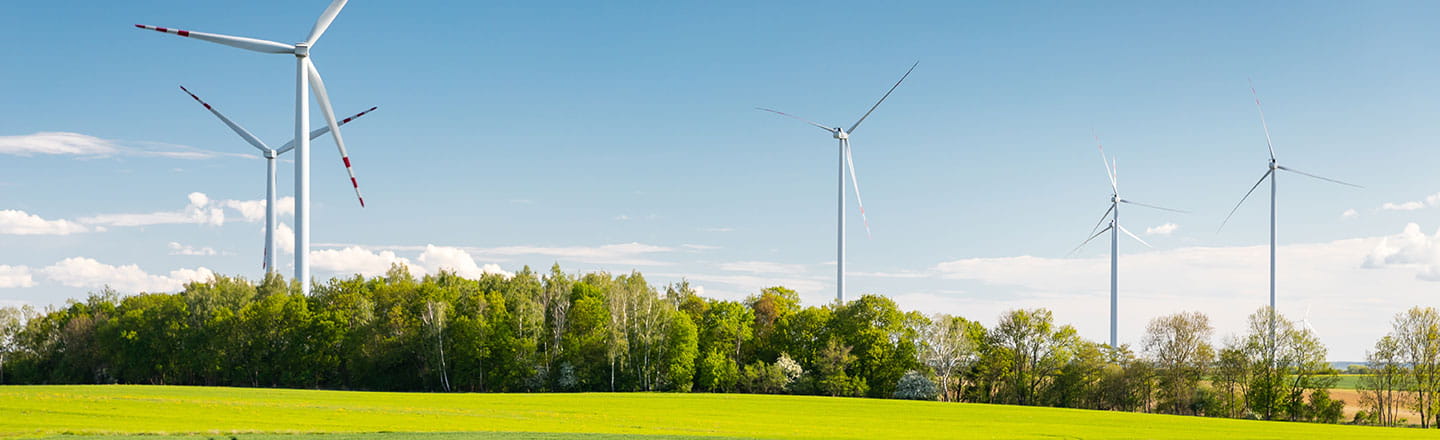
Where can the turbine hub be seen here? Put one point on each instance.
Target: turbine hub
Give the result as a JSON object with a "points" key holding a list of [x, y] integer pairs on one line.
{"points": [[841, 134], [302, 50], [270, 154], [1273, 165]]}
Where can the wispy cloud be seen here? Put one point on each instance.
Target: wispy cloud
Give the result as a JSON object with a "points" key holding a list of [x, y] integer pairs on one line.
{"points": [[633, 254], [762, 267], [86, 146], [184, 249], [1349, 214]]}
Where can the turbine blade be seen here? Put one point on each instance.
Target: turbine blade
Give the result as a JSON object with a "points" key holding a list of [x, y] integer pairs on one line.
{"points": [[1269, 144], [233, 126], [324, 21], [1136, 237], [1242, 200], [882, 98], [807, 121], [1327, 179], [1108, 172], [254, 44], [856, 183], [1153, 206], [318, 86], [321, 131], [1087, 241], [1102, 218]]}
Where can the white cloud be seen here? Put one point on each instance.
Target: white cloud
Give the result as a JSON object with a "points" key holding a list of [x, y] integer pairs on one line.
{"points": [[89, 273], [355, 259], [199, 211], [1429, 201], [623, 254], [86, 146], [622, 217], [284, 237], [15, 222], [741, 286], [1165, 229], [184, 249], [699, 247], [58, 143], [455, 259], [1412, 249], [1349, 214], [15, 276], [762, 267], [254, 210]]}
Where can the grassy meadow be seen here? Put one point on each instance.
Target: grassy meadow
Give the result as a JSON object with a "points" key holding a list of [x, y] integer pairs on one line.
{"points": [[162, 412]]}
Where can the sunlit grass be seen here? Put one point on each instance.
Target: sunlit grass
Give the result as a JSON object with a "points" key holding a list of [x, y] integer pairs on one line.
{"points": [[37, 411]]}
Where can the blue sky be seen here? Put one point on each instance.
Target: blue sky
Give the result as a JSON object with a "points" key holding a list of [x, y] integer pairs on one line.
{"points": [[623, 136]]}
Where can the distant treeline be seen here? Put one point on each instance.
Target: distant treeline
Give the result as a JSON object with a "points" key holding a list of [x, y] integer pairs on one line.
{"points": [[558, 332]]}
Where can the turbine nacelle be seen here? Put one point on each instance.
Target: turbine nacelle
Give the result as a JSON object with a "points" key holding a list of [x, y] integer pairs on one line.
{"points": [[271, 154], [841, 134], [302, 49]]}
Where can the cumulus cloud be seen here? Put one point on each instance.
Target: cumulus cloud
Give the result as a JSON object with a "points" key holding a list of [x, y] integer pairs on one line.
{"points": [[89, 273], [359, 260], [199, 211], [1349, 214], [1165, 229], [1411, 248], [437, 258], [284, 238], [15, 276], [1428, 201], [15, 222], [184, 249], [254, 210], [86, 146]]}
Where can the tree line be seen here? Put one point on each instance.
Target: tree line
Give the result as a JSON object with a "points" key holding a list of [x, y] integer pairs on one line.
{"points": [[559, 332]]}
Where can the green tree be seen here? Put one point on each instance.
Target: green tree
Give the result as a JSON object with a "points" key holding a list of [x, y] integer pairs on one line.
{"points": [[1179, 347]]}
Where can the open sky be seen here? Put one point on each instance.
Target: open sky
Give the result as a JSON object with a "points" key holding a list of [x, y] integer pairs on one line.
{"points": [[610, 136]]}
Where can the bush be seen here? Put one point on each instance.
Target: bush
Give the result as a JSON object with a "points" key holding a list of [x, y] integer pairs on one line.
{"points": [[915, 386]]}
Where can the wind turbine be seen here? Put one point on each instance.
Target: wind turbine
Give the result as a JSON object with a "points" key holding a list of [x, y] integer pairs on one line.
{"points": [[305, 75], [270, 155], [1113, 213], [843, 136], [1272, 173]]}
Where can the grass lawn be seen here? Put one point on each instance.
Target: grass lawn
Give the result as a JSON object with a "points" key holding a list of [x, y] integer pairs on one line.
{"points": [[41, 411], [1349, 381]]}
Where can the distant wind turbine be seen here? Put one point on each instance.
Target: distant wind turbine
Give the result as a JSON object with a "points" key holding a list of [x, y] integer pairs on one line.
{"points": [[270, 155], [1114, 228], [306, 75], [1272, 173], [845, 158]]}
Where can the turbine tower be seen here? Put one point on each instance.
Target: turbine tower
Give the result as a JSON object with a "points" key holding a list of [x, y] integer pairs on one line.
{"points": [[843, 136], [306, 75], [1272, 173], [1114, 228], [270, 155]]}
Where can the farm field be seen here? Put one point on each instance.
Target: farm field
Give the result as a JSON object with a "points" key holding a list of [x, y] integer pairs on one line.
{"points": [[205, 412]]}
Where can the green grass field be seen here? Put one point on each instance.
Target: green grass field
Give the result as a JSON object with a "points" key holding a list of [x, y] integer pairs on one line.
{"points": [[164, 412], [1348, 381]]}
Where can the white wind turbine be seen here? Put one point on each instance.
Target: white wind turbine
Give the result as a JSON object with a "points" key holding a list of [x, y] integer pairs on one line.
{"points": [[305, 76], [1113, 214], [270, 156], [1272, 173], [843, 136]]}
